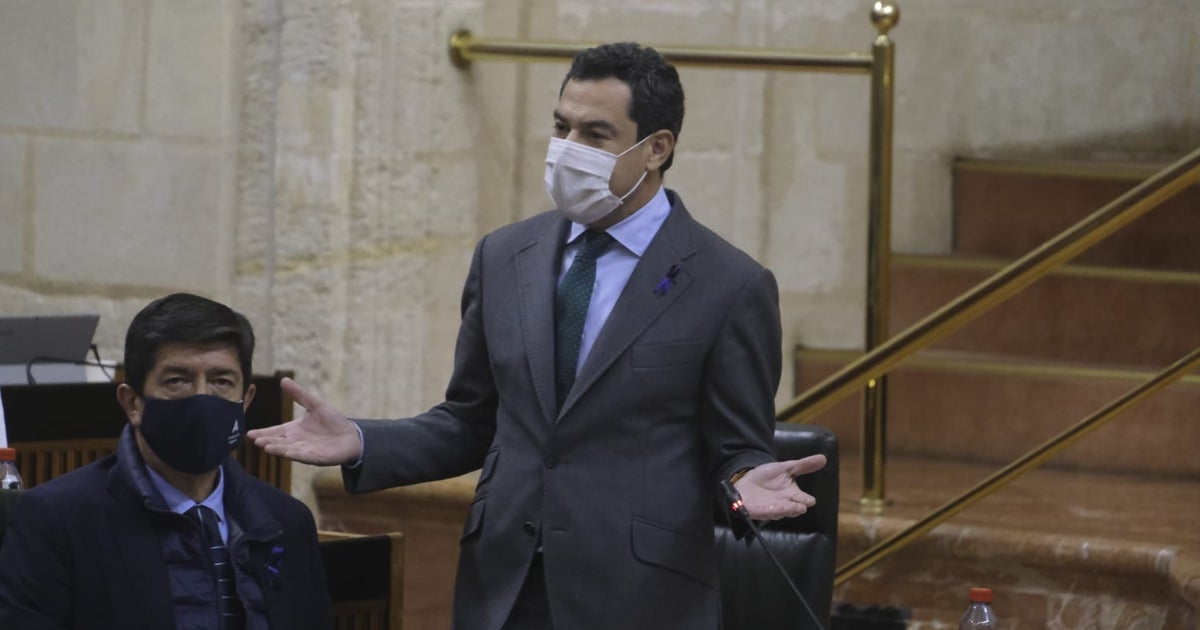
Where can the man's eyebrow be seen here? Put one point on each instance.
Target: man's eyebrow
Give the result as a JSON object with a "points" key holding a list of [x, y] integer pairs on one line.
{"points": [[223, 371], [591, 125], [183, 369], [175, 369]]}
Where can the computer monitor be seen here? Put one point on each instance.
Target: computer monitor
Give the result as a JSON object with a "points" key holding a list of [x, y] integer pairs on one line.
{"points": [[51, 342]]}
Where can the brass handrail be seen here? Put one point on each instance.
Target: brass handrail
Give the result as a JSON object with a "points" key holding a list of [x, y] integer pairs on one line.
{"points": [[1018, 467], [997, 288], [464, 47]]}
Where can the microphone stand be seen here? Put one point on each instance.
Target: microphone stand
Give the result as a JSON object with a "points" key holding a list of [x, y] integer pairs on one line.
{"points": [[737, 506]]}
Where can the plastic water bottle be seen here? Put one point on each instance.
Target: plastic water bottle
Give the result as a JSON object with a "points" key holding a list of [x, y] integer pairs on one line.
{"points": [[10, 478], [979, 613]]}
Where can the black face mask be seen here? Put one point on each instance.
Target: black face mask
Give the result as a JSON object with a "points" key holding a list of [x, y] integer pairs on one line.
{"points": [[193, 434]]}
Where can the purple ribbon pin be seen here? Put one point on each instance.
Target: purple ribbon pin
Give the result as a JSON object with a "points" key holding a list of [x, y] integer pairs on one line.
{"points": [[667, 281]]}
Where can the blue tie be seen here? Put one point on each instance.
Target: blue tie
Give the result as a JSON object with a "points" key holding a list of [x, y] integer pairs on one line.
{"points": [[570, 309], [233, 615]]}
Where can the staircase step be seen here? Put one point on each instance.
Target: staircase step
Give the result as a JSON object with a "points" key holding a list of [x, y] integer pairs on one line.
{"points": [[945, 405], [1006, 209], [1076, 314], [1060, 549]]}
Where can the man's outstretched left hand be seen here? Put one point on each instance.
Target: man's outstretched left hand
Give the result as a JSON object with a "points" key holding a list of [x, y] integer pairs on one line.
{"points": [[770, 492]]}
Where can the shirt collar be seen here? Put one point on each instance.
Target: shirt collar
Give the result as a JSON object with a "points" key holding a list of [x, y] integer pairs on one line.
{"points": [[635, 231], [178, 502]]}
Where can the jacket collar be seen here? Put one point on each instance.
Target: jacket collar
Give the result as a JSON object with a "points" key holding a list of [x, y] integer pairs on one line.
{"points": [[250, 518], [660, 278], [641, 302]]}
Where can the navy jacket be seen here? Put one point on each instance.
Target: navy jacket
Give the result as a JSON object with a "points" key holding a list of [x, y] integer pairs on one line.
{"points": [[83, 551]]}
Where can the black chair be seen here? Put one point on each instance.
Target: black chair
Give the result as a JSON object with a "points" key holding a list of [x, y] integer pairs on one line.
{"points": [[365, 577], [754, 596]]}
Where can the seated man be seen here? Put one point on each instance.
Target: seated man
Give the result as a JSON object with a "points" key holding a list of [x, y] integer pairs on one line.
{"points": [[169, 532]]}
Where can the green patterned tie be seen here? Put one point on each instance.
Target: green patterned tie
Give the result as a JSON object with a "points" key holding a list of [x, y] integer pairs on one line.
{"points": [[571, 306]]}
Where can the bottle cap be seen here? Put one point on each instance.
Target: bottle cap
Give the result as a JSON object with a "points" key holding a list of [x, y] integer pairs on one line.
{"points": [[981, 595], [8, 454]]}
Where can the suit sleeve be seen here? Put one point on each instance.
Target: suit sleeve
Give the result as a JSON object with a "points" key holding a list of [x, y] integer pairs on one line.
{"points": [[741, 377], [35, 579], [450, 439]]}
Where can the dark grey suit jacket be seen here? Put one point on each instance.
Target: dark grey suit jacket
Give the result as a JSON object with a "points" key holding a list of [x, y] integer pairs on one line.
{"points": [[619, 484]]}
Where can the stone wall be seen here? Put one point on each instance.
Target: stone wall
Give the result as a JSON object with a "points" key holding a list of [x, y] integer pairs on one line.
{"points": [[116, 139], [322, 166]]}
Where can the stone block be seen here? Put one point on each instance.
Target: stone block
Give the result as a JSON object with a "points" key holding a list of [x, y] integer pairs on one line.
{"points": [[12, 210], [709, 182], [843, 115], [141, 214], [928, 81], [454, 198], [310, 235], [1071, 87], [921, 201], [313, 118], [188, 82], [723, 107], [71, 65], [308, 332], [814, 216]]}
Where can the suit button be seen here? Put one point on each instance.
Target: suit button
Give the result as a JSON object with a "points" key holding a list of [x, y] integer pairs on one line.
{"points": [[551, 461], [529, 528]]}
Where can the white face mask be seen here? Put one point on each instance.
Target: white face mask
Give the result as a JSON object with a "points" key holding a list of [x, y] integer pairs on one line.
{"points": [[577, 179]]}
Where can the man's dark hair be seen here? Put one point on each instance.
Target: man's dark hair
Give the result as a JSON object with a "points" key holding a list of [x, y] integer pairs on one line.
{"points": [[657, 95], [183, 318]]}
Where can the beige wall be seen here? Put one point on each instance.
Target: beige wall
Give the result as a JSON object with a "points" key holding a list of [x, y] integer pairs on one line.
{"points": [[323, 167], [116, 137]]}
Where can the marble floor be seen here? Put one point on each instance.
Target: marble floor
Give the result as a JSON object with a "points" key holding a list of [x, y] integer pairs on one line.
{"points": [[1159, 510]]}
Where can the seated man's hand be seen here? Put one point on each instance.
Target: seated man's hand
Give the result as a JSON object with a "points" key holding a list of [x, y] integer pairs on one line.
{"points": [[322, 436], [770, 492]]}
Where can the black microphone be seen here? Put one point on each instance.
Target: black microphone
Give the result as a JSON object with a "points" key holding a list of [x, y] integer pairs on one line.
{"points": [[737, 506]]}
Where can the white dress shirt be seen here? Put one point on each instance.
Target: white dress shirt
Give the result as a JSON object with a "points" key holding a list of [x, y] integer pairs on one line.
{"points": [[615, 265]]}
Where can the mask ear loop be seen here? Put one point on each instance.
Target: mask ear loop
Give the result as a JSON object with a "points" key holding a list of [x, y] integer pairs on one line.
{"points": [[635, 186], [644, 172]]}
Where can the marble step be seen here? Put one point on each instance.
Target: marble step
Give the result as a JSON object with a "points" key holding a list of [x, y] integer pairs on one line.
{"points": [[981, 409], [1005, 209], [1060, 549], [1076, 314]]}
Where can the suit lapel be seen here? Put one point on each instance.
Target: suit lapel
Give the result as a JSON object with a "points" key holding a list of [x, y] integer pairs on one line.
{"points": [[537, 273], [642, 300]]}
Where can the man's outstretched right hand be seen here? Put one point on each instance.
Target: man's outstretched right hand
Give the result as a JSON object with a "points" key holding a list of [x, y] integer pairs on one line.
{"points": [[322, 436]]}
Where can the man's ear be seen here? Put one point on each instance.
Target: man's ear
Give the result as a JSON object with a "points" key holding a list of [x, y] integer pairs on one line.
{"points": [[662, 143], [247, 398], [131, 403]]}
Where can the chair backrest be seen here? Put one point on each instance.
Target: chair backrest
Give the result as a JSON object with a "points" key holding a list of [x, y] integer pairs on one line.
{"points": [[57, 428], [754, 596], [365, 576]]}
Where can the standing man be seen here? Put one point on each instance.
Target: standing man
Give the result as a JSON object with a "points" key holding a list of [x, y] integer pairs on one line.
{"points": [[168, 532], [616, 361]]}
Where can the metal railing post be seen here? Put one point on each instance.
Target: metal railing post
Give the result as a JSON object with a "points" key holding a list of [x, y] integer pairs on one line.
{"points": [[884, 15]]}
